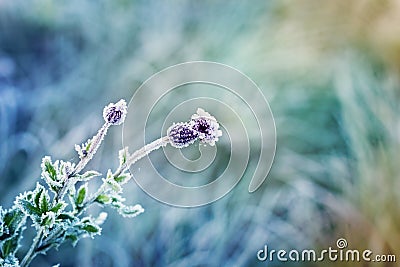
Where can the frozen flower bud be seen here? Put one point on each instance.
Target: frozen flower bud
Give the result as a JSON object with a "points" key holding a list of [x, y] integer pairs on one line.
{"points": [[206, 126], [181, 135], [115, 113]]}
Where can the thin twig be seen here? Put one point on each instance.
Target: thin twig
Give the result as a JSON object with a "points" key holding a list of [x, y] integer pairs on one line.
{"points": [[96, 141], [32, 250], [144, 151]]}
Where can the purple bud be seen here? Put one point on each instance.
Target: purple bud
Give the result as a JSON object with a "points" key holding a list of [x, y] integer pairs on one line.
{"points": [[181, 135], [115, 113]]}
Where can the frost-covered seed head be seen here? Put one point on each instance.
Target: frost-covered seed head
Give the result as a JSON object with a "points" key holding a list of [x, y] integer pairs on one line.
{"points": [[115, 113], [206, 126], [181, 135]]}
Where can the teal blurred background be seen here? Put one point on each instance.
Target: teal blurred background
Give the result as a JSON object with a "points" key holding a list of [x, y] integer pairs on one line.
{"points": [[330, 71]]}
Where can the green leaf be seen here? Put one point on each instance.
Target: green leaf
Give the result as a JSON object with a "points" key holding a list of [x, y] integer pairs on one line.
{"points": [[116, 187], [91, 228], [81, 194], [44, 202], [123, 178], [13, 219], [66, 216], [47, 166], [88, 175], [103, 199], [88, 144], [60, 206], [39, 190], [28, 208], [117, 201], [11, 244], [74, 239], [123, 156], [48, 219]]}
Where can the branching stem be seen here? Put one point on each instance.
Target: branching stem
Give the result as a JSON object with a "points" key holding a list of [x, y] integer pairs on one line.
{"points": [[137, 155]]}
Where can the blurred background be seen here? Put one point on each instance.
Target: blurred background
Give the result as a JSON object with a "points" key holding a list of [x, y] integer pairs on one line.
{"points": [[330, 71]]}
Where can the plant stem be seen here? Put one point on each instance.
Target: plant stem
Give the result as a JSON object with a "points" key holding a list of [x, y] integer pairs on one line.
{"points": [[144, 151], [31, 254], [95, 144]]}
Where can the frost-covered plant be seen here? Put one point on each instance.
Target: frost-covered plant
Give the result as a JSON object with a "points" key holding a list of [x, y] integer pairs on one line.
{"points": [[58, 208]]}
